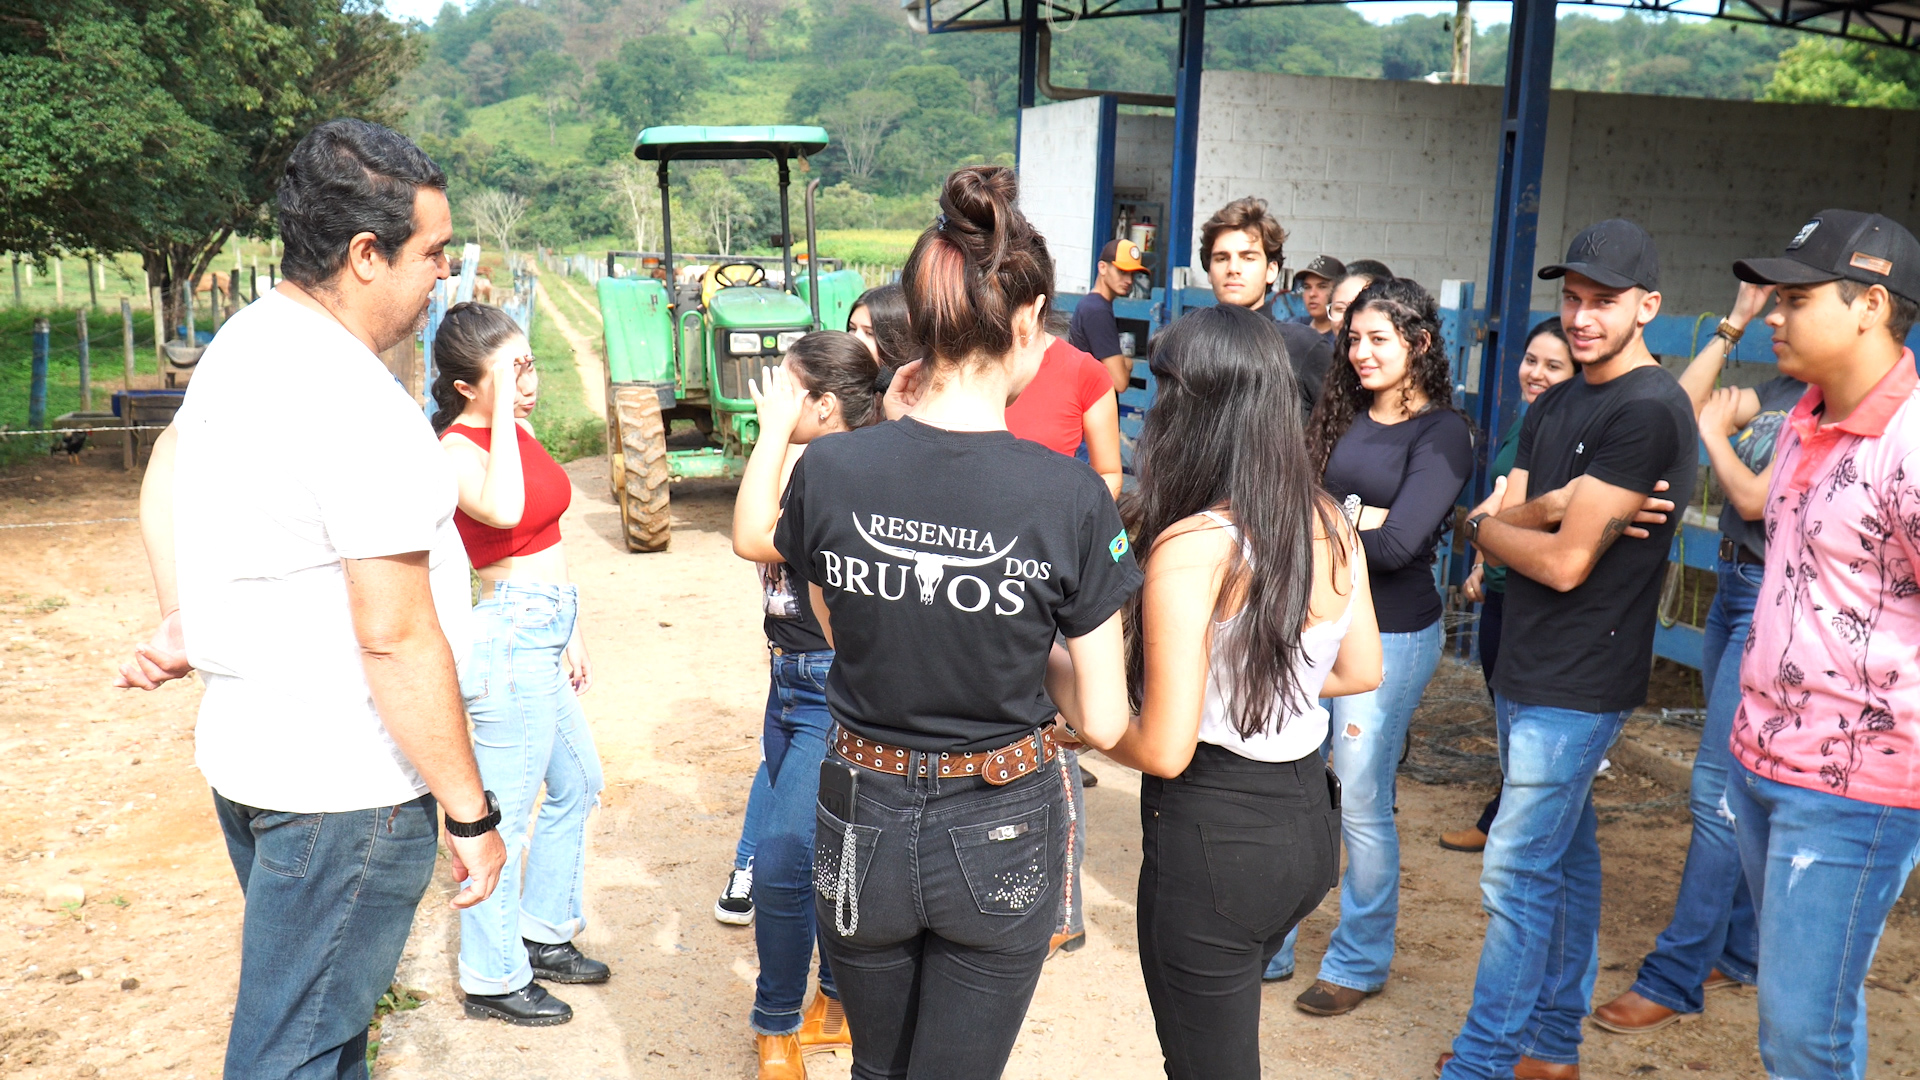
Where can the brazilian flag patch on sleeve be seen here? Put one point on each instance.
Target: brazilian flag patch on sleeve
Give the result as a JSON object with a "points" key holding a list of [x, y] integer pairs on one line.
{"points": [[1117, 547]]}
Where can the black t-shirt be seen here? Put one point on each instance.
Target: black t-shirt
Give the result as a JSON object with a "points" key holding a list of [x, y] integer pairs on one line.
{"points": [[1591, 648], [1093, 330], [789, 621], [1312, 356], [948, 561], [1754, 446], [1414, 470]]}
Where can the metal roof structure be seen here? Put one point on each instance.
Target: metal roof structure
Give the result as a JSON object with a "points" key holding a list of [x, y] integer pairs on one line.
{"points": [[698, 143]]}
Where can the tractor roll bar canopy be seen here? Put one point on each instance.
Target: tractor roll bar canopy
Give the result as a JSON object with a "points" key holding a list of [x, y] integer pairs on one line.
{"points": [[698, 143], [781, 142]]}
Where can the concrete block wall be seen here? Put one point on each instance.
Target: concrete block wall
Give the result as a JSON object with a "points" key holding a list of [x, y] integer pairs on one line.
{"points": [[1060, 156], [1404, 172], [1143, 158]]}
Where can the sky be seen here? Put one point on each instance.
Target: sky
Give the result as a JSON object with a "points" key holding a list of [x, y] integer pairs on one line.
{"points": [[1485, 12]]}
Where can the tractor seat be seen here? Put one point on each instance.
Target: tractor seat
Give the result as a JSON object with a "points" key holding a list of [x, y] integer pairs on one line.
{"points": [[729, 275]]}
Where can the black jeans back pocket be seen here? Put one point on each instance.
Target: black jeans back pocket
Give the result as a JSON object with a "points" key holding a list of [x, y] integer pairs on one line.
{"points": [[838, 877], [1005, 861], [1251, 868]]}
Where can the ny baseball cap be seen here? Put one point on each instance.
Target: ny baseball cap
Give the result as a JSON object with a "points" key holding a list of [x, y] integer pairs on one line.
{"points": [[1325, 266], [1616, 253], [1122, 255], [1872, 249]]}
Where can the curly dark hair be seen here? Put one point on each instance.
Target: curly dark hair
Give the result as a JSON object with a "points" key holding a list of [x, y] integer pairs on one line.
{"points": [[1416, 315]]}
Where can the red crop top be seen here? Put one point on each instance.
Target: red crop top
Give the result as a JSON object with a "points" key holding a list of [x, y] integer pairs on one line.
{"points": [[549, 493]]}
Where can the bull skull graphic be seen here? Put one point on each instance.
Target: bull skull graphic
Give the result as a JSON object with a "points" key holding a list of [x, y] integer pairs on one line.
{"points": [[929, 567]]}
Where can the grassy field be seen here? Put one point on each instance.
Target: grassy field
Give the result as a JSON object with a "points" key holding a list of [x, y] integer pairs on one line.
{"points": [[562, 421], [63, 367], [522, 124]]}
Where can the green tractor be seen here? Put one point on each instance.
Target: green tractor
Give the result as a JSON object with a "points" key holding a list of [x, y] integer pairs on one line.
{"points": [[684, 350]]}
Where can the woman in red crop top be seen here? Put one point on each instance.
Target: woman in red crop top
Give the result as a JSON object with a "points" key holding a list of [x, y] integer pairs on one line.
{"points": [[527, 668]]}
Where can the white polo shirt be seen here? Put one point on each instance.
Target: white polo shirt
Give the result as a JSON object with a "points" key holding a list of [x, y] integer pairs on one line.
{"points": [[298, 449]]}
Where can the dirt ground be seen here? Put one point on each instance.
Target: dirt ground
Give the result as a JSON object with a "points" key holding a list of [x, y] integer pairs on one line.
{"points": [[98, 789]]}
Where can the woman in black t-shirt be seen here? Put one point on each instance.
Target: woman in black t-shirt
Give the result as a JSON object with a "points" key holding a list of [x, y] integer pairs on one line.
{"points": [[1385, 430], [825, 386], [942, 555]]}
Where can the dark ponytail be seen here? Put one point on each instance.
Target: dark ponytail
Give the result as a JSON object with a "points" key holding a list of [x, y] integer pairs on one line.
{"points": [[832, 362], [979, 263], [468, 334]]}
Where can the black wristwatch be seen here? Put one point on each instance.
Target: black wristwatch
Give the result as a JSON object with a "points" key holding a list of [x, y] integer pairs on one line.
{"points": [[470, 829], [1473, 527]]}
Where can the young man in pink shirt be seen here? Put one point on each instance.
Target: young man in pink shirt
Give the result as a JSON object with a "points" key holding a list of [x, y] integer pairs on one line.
{"points": [[1826, 792]]}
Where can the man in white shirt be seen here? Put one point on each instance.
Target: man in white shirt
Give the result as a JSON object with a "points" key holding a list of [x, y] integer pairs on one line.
{"points": [[298, 519]]}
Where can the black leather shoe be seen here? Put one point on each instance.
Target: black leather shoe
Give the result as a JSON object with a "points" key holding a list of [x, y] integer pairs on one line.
{"points": [[529, 1006], [563, 963]]}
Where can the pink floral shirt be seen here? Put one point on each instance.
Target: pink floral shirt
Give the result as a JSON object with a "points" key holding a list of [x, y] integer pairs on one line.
{"points": [[1830, 682]]}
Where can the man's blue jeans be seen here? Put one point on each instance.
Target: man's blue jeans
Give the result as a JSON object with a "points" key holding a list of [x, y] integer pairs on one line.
{"points": [[795, 738], [1540, 886], [528, 731], [1713, 919], [1366, 735], [330, 899], [1825, 870]]}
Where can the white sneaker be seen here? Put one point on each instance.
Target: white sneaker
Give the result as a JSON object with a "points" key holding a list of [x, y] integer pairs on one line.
{"points": [[735, 906]]}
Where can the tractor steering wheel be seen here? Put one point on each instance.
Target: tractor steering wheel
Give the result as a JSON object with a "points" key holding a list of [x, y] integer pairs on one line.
{"points": [[726, 275]]}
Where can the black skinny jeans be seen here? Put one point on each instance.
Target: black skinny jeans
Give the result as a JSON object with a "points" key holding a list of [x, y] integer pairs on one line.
{"points": [[1234, 853], [958, 884]]}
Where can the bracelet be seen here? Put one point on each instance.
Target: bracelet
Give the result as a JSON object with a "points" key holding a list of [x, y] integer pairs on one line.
{"points": [[1729, 331]]}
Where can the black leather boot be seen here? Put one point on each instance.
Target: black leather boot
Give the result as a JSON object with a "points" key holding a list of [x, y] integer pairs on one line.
{"points": [[563, 963], [529, 1006]]}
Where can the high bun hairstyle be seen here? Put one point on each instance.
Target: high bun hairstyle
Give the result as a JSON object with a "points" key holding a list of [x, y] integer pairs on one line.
{"points": [[979, 263]]}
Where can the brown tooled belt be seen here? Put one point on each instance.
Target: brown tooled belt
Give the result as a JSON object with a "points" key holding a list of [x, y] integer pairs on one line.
{"points": [[996, 767]]}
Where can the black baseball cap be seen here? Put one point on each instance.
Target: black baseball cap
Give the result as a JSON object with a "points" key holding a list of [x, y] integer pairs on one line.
{"points": [[1872, 249], [1616, 253], [1325, 266]]}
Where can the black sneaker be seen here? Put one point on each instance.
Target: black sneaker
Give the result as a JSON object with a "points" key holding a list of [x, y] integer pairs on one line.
{"points": [[735, 906], [529, 1006], [563, 963]]}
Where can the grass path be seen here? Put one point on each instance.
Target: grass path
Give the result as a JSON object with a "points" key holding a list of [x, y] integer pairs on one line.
{"points": [[586, 353], [591, 309]]}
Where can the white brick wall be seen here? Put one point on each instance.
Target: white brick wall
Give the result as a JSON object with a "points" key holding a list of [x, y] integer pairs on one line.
{"points": [[1404, 172], [1059, 156]]}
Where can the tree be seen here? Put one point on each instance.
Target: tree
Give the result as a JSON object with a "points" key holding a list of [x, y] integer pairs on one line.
{"points": [[743, 18], [555, 77], [163, 126], [721, 206], [1414, 46], [651, 81], [861, 122], [632, 188], [1846, 73], [496, 214]]}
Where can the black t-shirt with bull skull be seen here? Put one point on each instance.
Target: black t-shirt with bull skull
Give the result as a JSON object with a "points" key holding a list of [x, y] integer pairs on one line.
{"points": [[948, 560]]}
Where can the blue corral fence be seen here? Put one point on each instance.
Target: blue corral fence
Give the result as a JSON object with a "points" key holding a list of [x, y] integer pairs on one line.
{"points": [[1696, 544]]}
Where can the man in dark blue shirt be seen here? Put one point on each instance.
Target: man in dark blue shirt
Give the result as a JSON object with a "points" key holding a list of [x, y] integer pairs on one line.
{"points": [[1315, 286], [1093, 330]]}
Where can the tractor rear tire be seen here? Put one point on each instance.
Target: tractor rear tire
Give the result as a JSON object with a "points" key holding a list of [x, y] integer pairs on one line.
{"points": [[645, 517]]}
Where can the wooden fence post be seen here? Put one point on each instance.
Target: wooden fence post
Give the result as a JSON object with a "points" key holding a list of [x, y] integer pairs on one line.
{"points": [[159, 330], [126, 403], [86, 360]]}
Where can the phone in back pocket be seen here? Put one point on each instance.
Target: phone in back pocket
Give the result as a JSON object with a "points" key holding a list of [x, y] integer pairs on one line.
{"points": [[839, 785]]}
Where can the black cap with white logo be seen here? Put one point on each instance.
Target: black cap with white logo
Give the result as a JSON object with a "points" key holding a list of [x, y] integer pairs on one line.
{"points": [[1872, 249], [1325, 266], [1616, 253]]}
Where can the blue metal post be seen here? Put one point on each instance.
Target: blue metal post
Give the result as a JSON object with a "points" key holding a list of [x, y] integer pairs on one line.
{"points": [[1029, 67], [1103, 183], [1516, 217], [37, 389], [1177, 230]]}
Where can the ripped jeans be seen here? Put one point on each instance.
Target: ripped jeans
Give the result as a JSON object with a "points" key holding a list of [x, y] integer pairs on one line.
{"points": [[1825, 871], [527, 731]]}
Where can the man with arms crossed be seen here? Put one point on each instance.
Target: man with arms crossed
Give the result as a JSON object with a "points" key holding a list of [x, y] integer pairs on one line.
{"points": [[1825, 792], [311, 574], [1093, 330], [1582, 592], [1242, 244]]}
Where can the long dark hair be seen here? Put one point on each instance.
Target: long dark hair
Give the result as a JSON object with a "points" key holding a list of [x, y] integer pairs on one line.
{"points": [[1416, 315], [1224, 434], [468, 334], [887, 308], [831, 361], [972, 269]]}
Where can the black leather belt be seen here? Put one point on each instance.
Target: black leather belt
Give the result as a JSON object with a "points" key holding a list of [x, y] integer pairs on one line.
{"points": [[1738, 553]]}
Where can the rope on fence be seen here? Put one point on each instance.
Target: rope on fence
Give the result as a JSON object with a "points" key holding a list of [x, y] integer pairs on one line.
{"points": [[5, 434], [65, 524]]}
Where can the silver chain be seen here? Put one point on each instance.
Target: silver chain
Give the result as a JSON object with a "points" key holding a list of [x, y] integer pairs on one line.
{"points": [[846, 894]]}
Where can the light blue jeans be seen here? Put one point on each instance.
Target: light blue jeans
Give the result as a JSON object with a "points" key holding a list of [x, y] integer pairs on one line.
{"points": [[1713, 919], [1825, 870], [1540, 886], [1366, 736], [527, 731]]}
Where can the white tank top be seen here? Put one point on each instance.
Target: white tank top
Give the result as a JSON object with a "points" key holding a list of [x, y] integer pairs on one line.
{"points": [[1297, 728]]}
